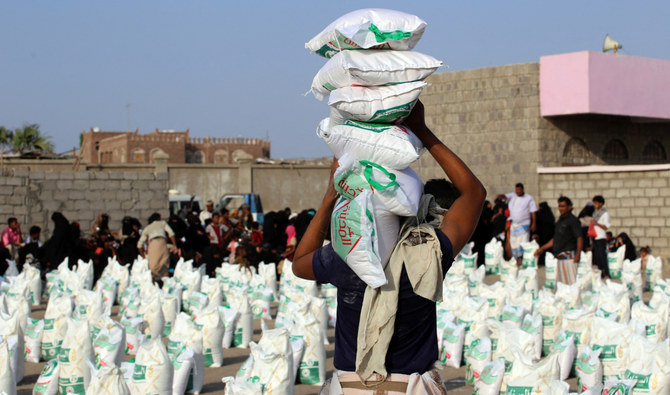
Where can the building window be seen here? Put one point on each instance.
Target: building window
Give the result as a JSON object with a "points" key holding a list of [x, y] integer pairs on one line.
{"points": [[654, 152], [138, 155], [615, 150], [221, 156], [198, 157], [576, 152]]}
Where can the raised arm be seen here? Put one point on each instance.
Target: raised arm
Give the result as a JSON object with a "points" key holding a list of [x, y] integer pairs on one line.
{"points": [[460, 221], [316, 232]]}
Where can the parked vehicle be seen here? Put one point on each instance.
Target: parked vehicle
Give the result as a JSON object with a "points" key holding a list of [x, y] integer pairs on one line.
{"points": [[231, 201], [179, 201]]}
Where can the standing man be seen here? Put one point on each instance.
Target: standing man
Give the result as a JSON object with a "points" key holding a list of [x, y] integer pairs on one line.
{"points": [[600, 222], [567, 242], [11, 237], [523, 218], [207, 212], [398, 337], [156, 234]]}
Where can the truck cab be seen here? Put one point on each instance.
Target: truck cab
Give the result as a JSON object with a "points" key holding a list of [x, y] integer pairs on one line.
{"points": [[232, 201]]}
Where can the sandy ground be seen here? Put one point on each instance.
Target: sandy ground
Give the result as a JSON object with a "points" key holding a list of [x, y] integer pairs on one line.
{"points": [[233, 359]]}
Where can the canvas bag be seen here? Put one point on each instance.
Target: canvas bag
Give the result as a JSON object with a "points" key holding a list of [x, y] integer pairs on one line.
{"points": [[369, 28], [399, 191], [392, 146]]}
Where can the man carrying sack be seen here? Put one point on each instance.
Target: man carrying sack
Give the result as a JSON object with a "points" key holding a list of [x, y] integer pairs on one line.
{"points": [[394, 348]]}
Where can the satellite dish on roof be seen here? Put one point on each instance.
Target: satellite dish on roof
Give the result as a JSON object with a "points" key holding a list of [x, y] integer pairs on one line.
{"points": [[610, 44]]}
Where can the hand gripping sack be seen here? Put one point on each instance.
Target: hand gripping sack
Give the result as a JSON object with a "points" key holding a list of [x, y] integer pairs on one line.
{"points": [[76, 353], [529, 259], [399, 191], [392, 146], [369, 28], [374, 104], [153, 371], [356, 239], [372, 68]]}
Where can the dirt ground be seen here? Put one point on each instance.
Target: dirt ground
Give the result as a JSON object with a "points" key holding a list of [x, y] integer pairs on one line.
{"points": [[233, 359]]}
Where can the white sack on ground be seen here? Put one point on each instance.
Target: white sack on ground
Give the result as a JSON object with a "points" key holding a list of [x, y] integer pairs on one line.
{"points": [[153, 371], [76, 353]]}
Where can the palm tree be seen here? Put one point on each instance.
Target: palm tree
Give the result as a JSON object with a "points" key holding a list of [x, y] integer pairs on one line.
{"points": [[6, 136], [29, 138]]}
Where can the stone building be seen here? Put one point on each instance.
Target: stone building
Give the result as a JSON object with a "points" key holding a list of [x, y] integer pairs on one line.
{"points": [[575, 124], [98, 147]]}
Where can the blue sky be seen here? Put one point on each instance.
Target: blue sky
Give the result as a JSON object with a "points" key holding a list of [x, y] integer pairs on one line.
{"points": [[227, 69]]}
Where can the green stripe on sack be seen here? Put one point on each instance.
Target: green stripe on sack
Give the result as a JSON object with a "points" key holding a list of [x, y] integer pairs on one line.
{"points": [[385, 36]]}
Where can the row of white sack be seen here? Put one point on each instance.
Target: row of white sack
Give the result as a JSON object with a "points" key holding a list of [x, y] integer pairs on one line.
{"points": [[512, 301], [646, 371]]}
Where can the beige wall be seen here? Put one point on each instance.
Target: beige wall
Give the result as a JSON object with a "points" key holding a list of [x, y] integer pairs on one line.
{"points": [[638, 201], [298, 187], [490, 118]]}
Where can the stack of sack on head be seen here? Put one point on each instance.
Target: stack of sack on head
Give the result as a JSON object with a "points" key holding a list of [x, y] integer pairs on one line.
{"points": [[514, 336], [373, 81]]}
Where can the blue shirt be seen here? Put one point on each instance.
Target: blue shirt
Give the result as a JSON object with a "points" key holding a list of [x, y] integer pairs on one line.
{"points": [[413, 347]]}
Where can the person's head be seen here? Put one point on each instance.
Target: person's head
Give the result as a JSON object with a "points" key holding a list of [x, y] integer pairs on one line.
{"points": [[246, 209], [598, 202], [645, 251], [445, 192], [154, 217], [13, 223], [215, 218], [564, 205], [254, 225], [518, 189], [35, 232], [608, 235], [209, 206], [287, 210]]}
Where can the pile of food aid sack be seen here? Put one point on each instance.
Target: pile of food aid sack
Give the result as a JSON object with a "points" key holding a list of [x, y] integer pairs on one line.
{"points": [[372, 79]]}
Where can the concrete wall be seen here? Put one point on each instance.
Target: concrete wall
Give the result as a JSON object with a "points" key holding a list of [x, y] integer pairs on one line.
{"points": [[298, 187], [491, 119], [637, 198], [32, 196]]}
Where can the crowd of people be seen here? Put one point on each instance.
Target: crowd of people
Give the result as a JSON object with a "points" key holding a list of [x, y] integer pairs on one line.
{"points": [[514, 218], [208, 238]]}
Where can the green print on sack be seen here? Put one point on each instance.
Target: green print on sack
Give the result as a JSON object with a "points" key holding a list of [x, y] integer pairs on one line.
{"points": [[351, 183], [392, 114], [371, 127], [519, 390], [309, 372], [642, 379], [71, 385], [386, 36]]}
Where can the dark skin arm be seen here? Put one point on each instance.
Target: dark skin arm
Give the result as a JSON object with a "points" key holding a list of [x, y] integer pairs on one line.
{"points": [[459, 223]]}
